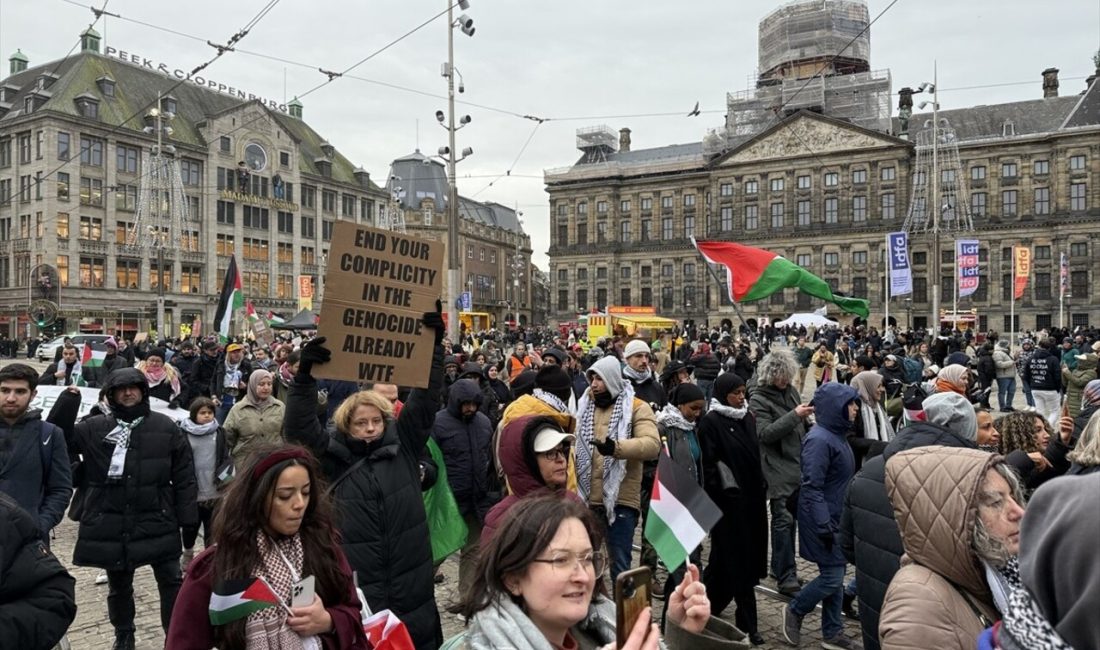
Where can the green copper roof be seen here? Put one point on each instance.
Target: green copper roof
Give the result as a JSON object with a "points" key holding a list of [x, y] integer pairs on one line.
{"points": [[19, 56]]}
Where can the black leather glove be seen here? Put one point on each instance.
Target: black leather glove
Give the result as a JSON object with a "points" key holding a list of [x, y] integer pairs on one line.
{"points": [[606, 448], [174, 404], [313, 351], [434, 320], [828, 539]]}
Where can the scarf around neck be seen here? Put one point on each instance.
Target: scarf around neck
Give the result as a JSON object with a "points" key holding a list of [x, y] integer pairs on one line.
{"points": [[280, 563], [670, 416], [504, 624], [636, 376], [551, 400], [190, 427], [1024, 626], [727, 410], [154, 375], [618, 428], [120, 437]]}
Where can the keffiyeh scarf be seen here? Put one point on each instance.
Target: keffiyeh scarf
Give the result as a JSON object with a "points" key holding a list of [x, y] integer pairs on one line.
{"points": [[670, 416], [635, 375], [1025, 627], [280, 564], [551, 400], [120, 438], [618, 428]]}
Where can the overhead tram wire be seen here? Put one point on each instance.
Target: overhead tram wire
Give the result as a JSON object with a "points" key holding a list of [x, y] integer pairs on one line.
{"points": [[221, 50], [508, 172]]}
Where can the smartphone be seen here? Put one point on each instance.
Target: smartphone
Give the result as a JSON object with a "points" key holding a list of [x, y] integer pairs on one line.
{"points": [[303, 592], [631, 597]]}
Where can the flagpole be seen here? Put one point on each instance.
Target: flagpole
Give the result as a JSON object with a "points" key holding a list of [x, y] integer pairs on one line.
{"points": [[886, 282], [955, 300], [1061, 291], [1012, 309], [736, 307]]}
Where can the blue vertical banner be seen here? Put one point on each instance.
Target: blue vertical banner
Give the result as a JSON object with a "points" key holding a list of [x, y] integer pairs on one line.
{"points": [[966, 266], [901, 274]]}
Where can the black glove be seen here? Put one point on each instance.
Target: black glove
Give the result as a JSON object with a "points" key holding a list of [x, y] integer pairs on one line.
{"points": [[174, 404], [828, 539], [606, 448], [313, 351], [434, 320]]}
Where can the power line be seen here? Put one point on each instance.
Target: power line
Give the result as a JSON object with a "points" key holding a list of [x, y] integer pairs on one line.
{"points": [[508, 172]]}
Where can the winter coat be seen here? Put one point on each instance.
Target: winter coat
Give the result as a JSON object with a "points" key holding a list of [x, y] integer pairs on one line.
{"points": [[37, 474], [1006, 367], [1076, 380], [781, 432], [744, 515], [48, 379], [134, 521], [644, 444], [200, 376], [869, 535], [191, 626], [217, 386], [649, 390], [803, 354], [707, 366], [466, 448], [933, 599], [1043, 371], [247, 427], [520, 468], [208, 452], [1031, 476], [37, 594], [383, 527], [987, 367], [1023, 357], [827, 466], [823, 362]]}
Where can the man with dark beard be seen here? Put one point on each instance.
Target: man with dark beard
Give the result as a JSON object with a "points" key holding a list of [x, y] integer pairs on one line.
{"points": [[641, 377]]}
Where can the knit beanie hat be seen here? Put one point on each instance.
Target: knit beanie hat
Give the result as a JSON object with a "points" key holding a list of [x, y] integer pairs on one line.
{"points": [[554, 380], [636, 346]]}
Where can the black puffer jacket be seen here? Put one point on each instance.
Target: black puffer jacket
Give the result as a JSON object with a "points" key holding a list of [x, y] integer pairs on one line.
{"points": [[650, 392], [707, 366], [383, 527], [868, 533], [466, 449], [37, 594], [134, 520]]}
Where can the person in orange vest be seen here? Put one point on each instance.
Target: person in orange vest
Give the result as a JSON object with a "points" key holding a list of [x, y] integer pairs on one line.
{"points": [[519, 361]]}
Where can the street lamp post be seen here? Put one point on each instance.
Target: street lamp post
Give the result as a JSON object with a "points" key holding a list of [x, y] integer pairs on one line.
{"points": [[935, 263], [454, 273]]}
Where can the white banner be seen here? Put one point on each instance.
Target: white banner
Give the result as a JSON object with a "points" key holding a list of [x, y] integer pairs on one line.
{"points": [[46, 396], [901, 274]]}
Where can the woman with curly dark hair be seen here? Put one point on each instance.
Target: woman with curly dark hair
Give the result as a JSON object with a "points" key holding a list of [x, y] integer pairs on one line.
{"points": [[275, 523], [1032, 449]]}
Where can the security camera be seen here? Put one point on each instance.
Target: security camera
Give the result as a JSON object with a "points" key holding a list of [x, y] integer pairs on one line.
{"points": [[468, 29], [468, 151], [444, 151], [466, 119], [465, 22], [463, 4], [439, 116], [461, 87]]}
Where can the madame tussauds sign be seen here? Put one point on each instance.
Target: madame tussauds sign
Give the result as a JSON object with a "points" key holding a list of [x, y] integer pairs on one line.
{"points": [[137, 59]]}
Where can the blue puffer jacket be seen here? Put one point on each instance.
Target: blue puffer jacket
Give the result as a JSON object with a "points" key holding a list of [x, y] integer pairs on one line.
{"points": [[827, 467], [466, 448]]}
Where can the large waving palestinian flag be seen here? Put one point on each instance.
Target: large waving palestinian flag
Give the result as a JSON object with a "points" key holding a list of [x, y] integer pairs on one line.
{"points": [[230, 300], [754, 273]]}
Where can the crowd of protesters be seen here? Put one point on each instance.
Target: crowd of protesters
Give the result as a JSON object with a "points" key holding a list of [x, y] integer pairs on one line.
{"points": [[967, 526]]}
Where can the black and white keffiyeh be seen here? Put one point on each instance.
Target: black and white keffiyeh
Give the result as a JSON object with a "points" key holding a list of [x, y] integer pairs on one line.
{"points": [[1025, 626], [618, 428], [551, 400], [120, 438]]}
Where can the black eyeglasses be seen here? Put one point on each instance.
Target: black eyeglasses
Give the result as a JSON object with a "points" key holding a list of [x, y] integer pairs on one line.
{"points": [[561, 451]]}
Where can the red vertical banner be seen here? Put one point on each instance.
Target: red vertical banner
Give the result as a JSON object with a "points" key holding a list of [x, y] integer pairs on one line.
{"points": [[1021, 269]]}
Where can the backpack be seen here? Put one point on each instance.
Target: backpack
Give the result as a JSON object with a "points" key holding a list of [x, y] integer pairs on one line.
{"points": [[914, 370]]}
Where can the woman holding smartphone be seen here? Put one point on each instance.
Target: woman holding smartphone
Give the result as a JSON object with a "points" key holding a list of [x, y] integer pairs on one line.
{"points": [[276, 524], [539, 586]]}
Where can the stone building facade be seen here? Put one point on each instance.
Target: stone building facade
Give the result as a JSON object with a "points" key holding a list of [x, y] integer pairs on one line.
{"points": [[260, 183]]}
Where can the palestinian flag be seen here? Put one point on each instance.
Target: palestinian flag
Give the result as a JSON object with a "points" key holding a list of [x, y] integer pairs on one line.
{"points": [[93, 355], [754, 273], [235, 599], [272, 317], [231, 299], [680, 513], [250, 312]]}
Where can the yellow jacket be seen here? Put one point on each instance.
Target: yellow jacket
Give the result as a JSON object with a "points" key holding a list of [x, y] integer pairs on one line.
{"points": [[531, 405]]}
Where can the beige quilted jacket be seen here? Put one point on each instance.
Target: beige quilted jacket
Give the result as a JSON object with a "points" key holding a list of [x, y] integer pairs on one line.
{"points": [[933, 600]]}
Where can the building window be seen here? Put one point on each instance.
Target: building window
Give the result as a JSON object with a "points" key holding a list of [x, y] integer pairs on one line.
{"points": [[253, 217], [1077, 197], [62, 186], [254, 249], [1076, 163], [563, 275], [1042, 200], [887, 205], [624, 232], [224, 144], [91, 228], [1079, 284], [1042, 252], [803, 209], [63, 146], [328, 201], [752, 217], [1041, 167], [689, 200], [725, 189], [563, 299], [859, 176], [127, 273], [804, 182], [624, 296], [582, 209], [1042, 286], [666, 202], [777, 215], [859, 209], [601, 272], [832, 259], [920, 289], [225, 245], [647, 228], [309, 255], [624, 206], [562, 210], [92, 270], [582, 233], [127, 159], [832, 179], [888, 173], [1008, 203], [563, 233], [1008, 170], [24, 148], [191, 172], [725, 219], [859, 257], [666, 270], [689, 270], [977, 173], [831, 210], [666, 228], [309, 227], [285, 222], [91, 191], [647, 203], [582, 274], [776, 184], [689, 226], [752, 187], [91, 151], [284, 252], [226, 212], [347, 205], [859, 286], [62, 225], [284, 287], [1079, 249], [624, 272], [667, 295], [469, 251], [601, 207], [947, 176], [978, 204]]}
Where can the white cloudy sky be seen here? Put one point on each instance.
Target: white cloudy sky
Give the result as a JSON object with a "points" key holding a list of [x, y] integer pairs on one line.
{"points": [[607, 61]]}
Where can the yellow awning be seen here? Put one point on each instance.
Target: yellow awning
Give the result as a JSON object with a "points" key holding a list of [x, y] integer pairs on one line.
{"points": [[653, 322]]}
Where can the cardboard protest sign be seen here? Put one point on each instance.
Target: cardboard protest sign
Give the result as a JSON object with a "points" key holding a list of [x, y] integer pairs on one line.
{"points": [[377, 285]]}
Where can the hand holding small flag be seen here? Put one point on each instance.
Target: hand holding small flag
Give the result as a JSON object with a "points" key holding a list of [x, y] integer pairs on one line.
{"points": [[688, 606]]}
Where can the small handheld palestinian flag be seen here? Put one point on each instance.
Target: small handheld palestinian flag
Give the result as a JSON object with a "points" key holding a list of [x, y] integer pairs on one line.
{"points": [[680, 513], [235, 599]]}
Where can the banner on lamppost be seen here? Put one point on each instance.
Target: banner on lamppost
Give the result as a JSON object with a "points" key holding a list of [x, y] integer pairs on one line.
{"points": [[1021, 269], [1063, 276], [901, 274], [305, 292], [966, 261]]}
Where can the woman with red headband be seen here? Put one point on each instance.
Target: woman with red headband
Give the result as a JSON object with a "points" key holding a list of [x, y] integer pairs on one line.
{"points": [[273, 537]]}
